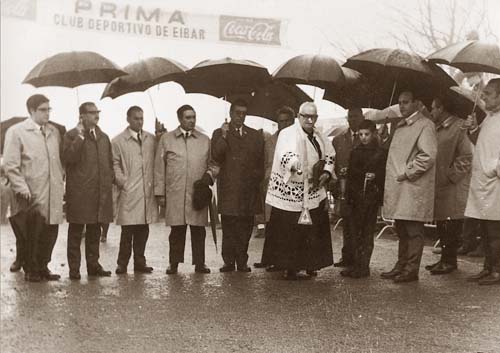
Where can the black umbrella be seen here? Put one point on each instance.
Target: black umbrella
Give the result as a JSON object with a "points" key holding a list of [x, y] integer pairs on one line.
{"points": [[391, 71], [470, 56], [354, 93], [223, 77], [463, 102], [316, 70], [266, 100], [72, 69], [144, 74], [6, 124]]}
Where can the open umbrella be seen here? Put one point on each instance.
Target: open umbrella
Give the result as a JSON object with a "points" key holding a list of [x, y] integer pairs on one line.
{"points": [[266, 100], [470, 56], [463, 102], [354, 93], [6, 124], [72, 69], [220, 78], [391, 71], [142, 75], [316, 70]]}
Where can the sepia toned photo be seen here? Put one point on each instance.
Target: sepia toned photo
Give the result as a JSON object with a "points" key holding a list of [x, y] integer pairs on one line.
{"points": [[268, 176]]}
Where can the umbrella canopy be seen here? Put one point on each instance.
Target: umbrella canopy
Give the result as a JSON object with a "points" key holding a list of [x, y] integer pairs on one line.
{"points": [[316, 70], [469, 56], [391, 71], [463, 101], [72, 69], [144, 74], [355, 93], [223, 77], [6, 124], [266, 100]]}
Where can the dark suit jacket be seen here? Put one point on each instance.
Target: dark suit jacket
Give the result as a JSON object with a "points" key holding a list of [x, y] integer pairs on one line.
{"points": [[241, 160], [343, 147]]}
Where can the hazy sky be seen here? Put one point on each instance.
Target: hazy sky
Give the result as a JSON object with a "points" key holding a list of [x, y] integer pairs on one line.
{"points": [[320, 26]]}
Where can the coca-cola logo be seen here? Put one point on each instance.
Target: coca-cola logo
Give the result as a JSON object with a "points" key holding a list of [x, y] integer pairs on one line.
{"points": [[249, 30]]}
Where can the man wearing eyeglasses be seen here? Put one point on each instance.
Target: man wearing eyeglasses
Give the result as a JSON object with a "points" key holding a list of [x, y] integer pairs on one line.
{"points": [[89, 167], [33, 167], [239, 150]]}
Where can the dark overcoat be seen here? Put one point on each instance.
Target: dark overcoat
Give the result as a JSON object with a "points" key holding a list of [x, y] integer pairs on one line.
{"points": [[89, 177], [241, 160]]}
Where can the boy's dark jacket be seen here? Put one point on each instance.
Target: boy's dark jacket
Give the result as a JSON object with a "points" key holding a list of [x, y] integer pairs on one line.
{"points": [[370, 158]]}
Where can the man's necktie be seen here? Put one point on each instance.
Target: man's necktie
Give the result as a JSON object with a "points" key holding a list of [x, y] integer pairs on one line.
{"points": [[315, 143], [139, 138], [355, 139], [42, 130], [186, 135], [92, 135]]}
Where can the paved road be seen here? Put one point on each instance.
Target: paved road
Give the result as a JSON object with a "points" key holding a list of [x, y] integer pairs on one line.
{"points": [[236, 312]]}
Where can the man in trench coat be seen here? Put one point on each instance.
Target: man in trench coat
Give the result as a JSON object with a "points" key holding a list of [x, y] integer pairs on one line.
{"points": [[239, 150], [133, 163], [343, 145], [88, 159], [484, 191], [33, 167], [409, 186], [453, 166], [182, 158]]}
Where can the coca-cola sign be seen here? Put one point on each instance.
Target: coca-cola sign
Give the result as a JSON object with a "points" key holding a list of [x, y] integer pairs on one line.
{"points": [[249, 30]]}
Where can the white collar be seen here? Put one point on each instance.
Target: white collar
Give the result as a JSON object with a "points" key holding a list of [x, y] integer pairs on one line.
{"points": [[184, 132]]}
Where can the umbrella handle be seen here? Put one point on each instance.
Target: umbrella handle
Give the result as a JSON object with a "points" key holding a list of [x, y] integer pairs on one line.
{"points": [[152, 103], [479, 91], [393, 90]]}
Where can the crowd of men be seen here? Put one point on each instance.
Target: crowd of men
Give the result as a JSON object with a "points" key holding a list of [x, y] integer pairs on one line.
{"points": [[426, 170]]}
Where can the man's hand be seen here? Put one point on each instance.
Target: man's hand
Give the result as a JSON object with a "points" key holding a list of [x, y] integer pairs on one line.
{"points": [[225, 129], [80, 129], [25, 195], [295, 167], [470, 123], [161, 200], [323, 179], [401, 177]]}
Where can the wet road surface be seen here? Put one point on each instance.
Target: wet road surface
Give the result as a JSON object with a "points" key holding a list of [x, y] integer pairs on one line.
{"points": [[243, 312]]}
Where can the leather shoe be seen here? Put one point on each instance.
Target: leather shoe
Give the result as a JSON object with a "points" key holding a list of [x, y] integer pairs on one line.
{"points": [[244, 268], [406, 277], [291, 275], [341, 263], [312, 273], [201, 269], [227, 268], [443, 268], [259, 265], [492, 278], [272, 268], [100, 272], [74, 275], [120, 270], [391, 274], [16, 266], [430, 267], [49, 276], [32, 277], [478, 276], [171, 269], [143, 269], [347, 272]]}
